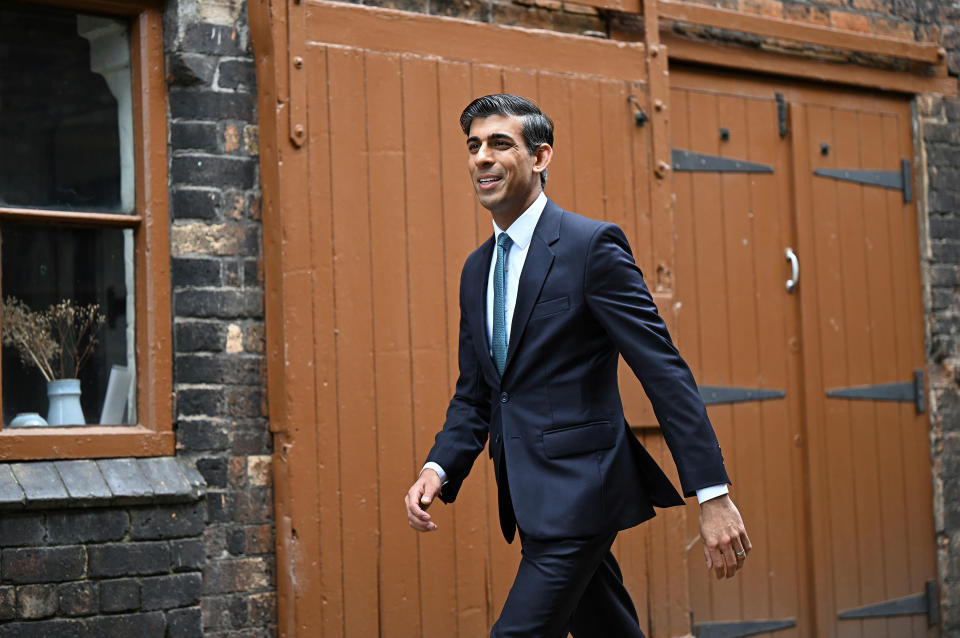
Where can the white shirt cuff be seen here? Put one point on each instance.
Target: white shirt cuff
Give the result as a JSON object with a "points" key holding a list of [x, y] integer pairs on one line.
{"points": [[439, 470], [704, 494]]}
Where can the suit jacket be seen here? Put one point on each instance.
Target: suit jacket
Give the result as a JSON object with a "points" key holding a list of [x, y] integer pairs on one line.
{"points": [[555, 419]]}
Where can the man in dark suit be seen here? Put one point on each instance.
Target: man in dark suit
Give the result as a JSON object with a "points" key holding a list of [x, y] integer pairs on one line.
{"points": [[548, 304]]}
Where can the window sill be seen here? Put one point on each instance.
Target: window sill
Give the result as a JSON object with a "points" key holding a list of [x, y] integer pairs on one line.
{"points": [[121, 481], [83, 442]]}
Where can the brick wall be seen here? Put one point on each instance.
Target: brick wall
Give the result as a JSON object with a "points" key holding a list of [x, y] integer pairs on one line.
{"points": [[219, 375], [102, 572], [939, 125]]}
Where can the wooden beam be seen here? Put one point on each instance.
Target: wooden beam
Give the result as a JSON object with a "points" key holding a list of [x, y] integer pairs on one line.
{"points": [[925, 52], [624, 6], [39, 215], [759, 61]]}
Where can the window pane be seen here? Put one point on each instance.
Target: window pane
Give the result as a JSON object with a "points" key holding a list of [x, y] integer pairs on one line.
{"points": [[43, 266], [66, 123]]}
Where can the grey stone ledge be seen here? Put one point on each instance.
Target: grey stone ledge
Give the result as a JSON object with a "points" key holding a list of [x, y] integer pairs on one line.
{"points": [[100, 482]]}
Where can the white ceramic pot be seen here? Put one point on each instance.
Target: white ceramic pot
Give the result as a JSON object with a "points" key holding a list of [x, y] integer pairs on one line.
{"points": [[64, 398]]}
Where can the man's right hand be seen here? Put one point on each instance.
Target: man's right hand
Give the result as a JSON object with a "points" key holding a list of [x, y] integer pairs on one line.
{"points": [[418, 499]]}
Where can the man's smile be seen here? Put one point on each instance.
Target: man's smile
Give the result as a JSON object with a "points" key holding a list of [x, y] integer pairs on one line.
{"points": [[488, 181]]}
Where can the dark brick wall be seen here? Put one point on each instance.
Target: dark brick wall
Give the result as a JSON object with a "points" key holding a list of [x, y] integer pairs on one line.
{"points": [[135, 571], [217, 286], [939, 122]]}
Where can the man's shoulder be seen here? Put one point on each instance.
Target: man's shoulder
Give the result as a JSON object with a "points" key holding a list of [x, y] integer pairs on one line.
{"points": [[575, 225]]}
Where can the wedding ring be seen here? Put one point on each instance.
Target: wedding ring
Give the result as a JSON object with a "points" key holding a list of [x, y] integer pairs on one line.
{"points": [[742, 552]]}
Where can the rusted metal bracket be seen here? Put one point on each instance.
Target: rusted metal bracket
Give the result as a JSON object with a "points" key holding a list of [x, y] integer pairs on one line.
{"points": [[918, 604], [906, 391], [719, 394], [689, 161], [297, 73], [901, 180]]}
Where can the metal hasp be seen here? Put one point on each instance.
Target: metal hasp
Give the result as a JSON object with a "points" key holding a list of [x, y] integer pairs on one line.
{"points": [[717, 394], [925, 603], [901, 180], [742, 628], [905, 391], [639, 115], [782, 116], [700, 162]]}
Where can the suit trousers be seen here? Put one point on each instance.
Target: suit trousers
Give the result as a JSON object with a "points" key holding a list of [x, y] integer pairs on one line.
{"points": [[567, 585]]}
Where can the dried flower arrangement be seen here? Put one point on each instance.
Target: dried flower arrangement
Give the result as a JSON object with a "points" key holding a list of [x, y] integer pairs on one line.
{"points": [[58, 340]]}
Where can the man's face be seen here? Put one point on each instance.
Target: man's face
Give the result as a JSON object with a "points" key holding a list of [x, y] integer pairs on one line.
{"points": [[502, 169]]}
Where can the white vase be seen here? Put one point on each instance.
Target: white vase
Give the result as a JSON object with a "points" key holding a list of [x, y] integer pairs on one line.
{"points": [[64, 398]]}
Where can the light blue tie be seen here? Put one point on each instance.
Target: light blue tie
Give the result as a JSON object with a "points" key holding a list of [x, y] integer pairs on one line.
{"points": [[500, 302]]}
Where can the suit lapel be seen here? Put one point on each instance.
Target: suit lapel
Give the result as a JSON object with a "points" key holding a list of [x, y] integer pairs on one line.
{"points": [[535, 269], [477, 298]]}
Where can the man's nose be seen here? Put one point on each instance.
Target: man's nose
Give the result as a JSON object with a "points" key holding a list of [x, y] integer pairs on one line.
{"points": [[483, 155]]}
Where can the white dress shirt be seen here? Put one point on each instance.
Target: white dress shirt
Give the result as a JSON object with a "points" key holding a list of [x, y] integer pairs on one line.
{"points": [[521, 232]]}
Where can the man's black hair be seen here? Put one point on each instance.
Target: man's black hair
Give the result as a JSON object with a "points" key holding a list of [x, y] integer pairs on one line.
{"points": [[536, 127]]}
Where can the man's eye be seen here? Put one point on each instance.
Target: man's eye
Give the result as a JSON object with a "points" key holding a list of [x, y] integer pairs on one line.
{"points": [[502, 144], [473, 148]]}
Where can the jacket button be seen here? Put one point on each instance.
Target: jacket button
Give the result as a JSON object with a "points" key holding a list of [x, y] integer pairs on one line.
{"points": [[504, 397]]}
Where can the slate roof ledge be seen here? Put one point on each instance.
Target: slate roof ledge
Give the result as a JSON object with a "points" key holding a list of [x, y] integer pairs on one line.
{"points": [[100, 482]]}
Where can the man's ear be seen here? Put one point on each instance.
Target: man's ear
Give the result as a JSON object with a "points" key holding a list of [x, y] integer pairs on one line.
{"points": [[542, 157]]}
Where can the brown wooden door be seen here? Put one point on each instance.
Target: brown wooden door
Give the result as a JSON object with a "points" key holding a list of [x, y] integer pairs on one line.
{"points": [[835, 492], [377, 217], [868, 460], [739, 330]]}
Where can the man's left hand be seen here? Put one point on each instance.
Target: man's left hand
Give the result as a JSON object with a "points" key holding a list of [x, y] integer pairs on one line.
{"points": [[725, 541]]}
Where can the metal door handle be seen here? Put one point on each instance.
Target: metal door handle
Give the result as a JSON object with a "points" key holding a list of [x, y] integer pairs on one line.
{"points": [[794, 269]]}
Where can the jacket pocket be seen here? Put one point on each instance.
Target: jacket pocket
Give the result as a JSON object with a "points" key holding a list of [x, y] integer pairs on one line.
{"points": [[550, 307], [578, 439]]}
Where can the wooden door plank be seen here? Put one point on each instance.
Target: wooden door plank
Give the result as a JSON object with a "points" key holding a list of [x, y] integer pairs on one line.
{"points": [[555, 101], [399, 568], [352, 298], [669, 603], [914, 428], [587, 150], [459, 239], [327, 450], [312, 462], [427, 325], [615, 135], [838, 505], [779, 493], [740, 245], [522, 82], [687, 333], [712, 286], [643, 196], [821, 583], [879, 207], [867, 543]]}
